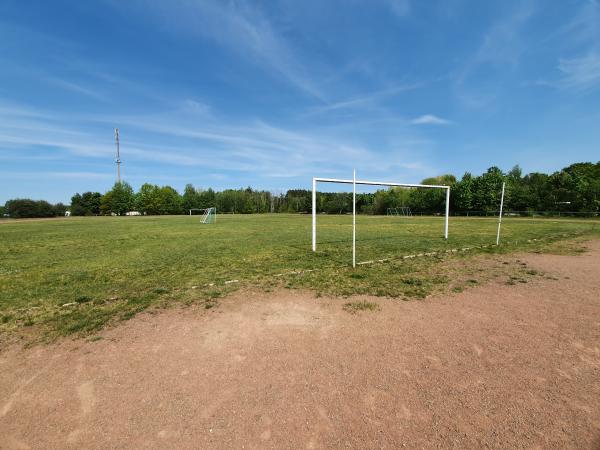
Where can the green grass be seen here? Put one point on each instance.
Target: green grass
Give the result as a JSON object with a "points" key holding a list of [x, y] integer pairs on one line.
{"points": [[354, 307], [75, 275]]}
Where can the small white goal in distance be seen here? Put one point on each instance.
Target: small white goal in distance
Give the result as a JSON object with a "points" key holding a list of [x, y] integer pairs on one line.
{"points": [[354, 182], [207, 215]]}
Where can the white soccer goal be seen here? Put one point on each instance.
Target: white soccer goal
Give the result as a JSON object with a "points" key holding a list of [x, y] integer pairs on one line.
{"points": [[403, 211], [354, 182], [207, 215]]}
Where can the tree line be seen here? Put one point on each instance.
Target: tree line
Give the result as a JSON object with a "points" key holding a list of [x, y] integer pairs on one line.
{"points": [[575, 188], [21, 208]]}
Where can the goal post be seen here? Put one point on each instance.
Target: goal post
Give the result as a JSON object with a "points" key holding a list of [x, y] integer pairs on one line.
{"points": [[500, 214], [207, 215], [354, 182]]}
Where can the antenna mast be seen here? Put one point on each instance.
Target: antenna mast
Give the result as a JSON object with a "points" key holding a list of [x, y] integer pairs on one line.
{"points": [[118, 158]]}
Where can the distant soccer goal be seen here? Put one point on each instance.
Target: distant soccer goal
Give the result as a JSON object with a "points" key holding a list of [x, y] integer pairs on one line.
{"points": [[354, 182], [207, 215], [401, 211]]}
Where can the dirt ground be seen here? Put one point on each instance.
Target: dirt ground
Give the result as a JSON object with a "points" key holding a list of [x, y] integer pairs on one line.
{"points": [[502, 366]]}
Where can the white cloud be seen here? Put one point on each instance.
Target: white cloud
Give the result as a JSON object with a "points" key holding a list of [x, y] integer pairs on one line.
{"points": [[579, 39], [238, 26], [399, 7], [77, 88], [502, 47], [362, 101], [580, 73], [177, 139], [430, 119]]}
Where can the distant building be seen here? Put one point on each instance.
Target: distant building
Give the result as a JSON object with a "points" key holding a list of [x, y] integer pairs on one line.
{"points": [[133, 213], [67, 213]]}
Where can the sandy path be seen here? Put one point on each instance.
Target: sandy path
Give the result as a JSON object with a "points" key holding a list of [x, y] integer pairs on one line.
{"points": [[498, 366]]}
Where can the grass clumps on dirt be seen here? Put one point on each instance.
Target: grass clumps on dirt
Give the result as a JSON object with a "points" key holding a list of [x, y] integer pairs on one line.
{"points": [[354, 307]]}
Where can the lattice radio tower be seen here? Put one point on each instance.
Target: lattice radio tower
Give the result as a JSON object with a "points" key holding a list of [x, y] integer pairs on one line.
{"points": [[118, 156]]}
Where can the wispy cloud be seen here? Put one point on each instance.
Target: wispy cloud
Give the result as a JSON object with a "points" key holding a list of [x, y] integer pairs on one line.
{"points": [[239, 26], [77, 88], [503, 43], [430, 119], [580, 73], [360, 101], [209, 145], [56, 174], [582, 28], [502, 46], [401, 8], [580, 39]]}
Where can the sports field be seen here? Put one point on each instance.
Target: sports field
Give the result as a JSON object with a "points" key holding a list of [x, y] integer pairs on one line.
{"points": [[74, 275]]}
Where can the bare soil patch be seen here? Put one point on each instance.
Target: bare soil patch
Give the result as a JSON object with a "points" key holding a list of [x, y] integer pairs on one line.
{"points": [[503, 365]]}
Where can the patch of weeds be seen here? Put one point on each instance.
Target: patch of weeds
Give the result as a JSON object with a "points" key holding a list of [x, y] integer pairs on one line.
{"points": [[354, 307], [94, 338], [439, 279], [210, 303], [472, 281], [160, 291], [357, 276], [5, 318], [532, 272], [28, 322], [83, 299], [418, 293], [128, 314], [572, 247], [458, 289], [214, 294], [80, 321], [412, 281], [213, 298]]}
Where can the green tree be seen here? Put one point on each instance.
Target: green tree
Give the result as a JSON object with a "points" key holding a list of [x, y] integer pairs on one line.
{"points": [[207, 199], [462, 195], [516, 195], [487, 190], [86, 204], [59, 209], [191, 198], [119, 200], [27, 208], [149, 200], [431, 200], [170, 201]]}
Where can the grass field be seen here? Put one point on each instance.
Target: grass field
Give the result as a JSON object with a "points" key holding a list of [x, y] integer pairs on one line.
{"points": [[75, 275]]}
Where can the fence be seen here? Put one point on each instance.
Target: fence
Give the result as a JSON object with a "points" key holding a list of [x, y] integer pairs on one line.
{"points": [[510, 213]]}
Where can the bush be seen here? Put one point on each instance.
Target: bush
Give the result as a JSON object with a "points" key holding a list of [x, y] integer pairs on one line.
{"points": [[27, 208]]}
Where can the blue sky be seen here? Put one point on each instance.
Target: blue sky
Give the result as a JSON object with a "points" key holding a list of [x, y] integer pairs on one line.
{"points": [[270, 93]]}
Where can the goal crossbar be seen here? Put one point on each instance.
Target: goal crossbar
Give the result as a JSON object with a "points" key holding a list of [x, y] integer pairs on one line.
{"points": [[354, 182], [378, 183]]}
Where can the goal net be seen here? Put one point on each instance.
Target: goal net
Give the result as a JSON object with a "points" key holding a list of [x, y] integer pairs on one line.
{"points": [[402, 211], [207, 215]]}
